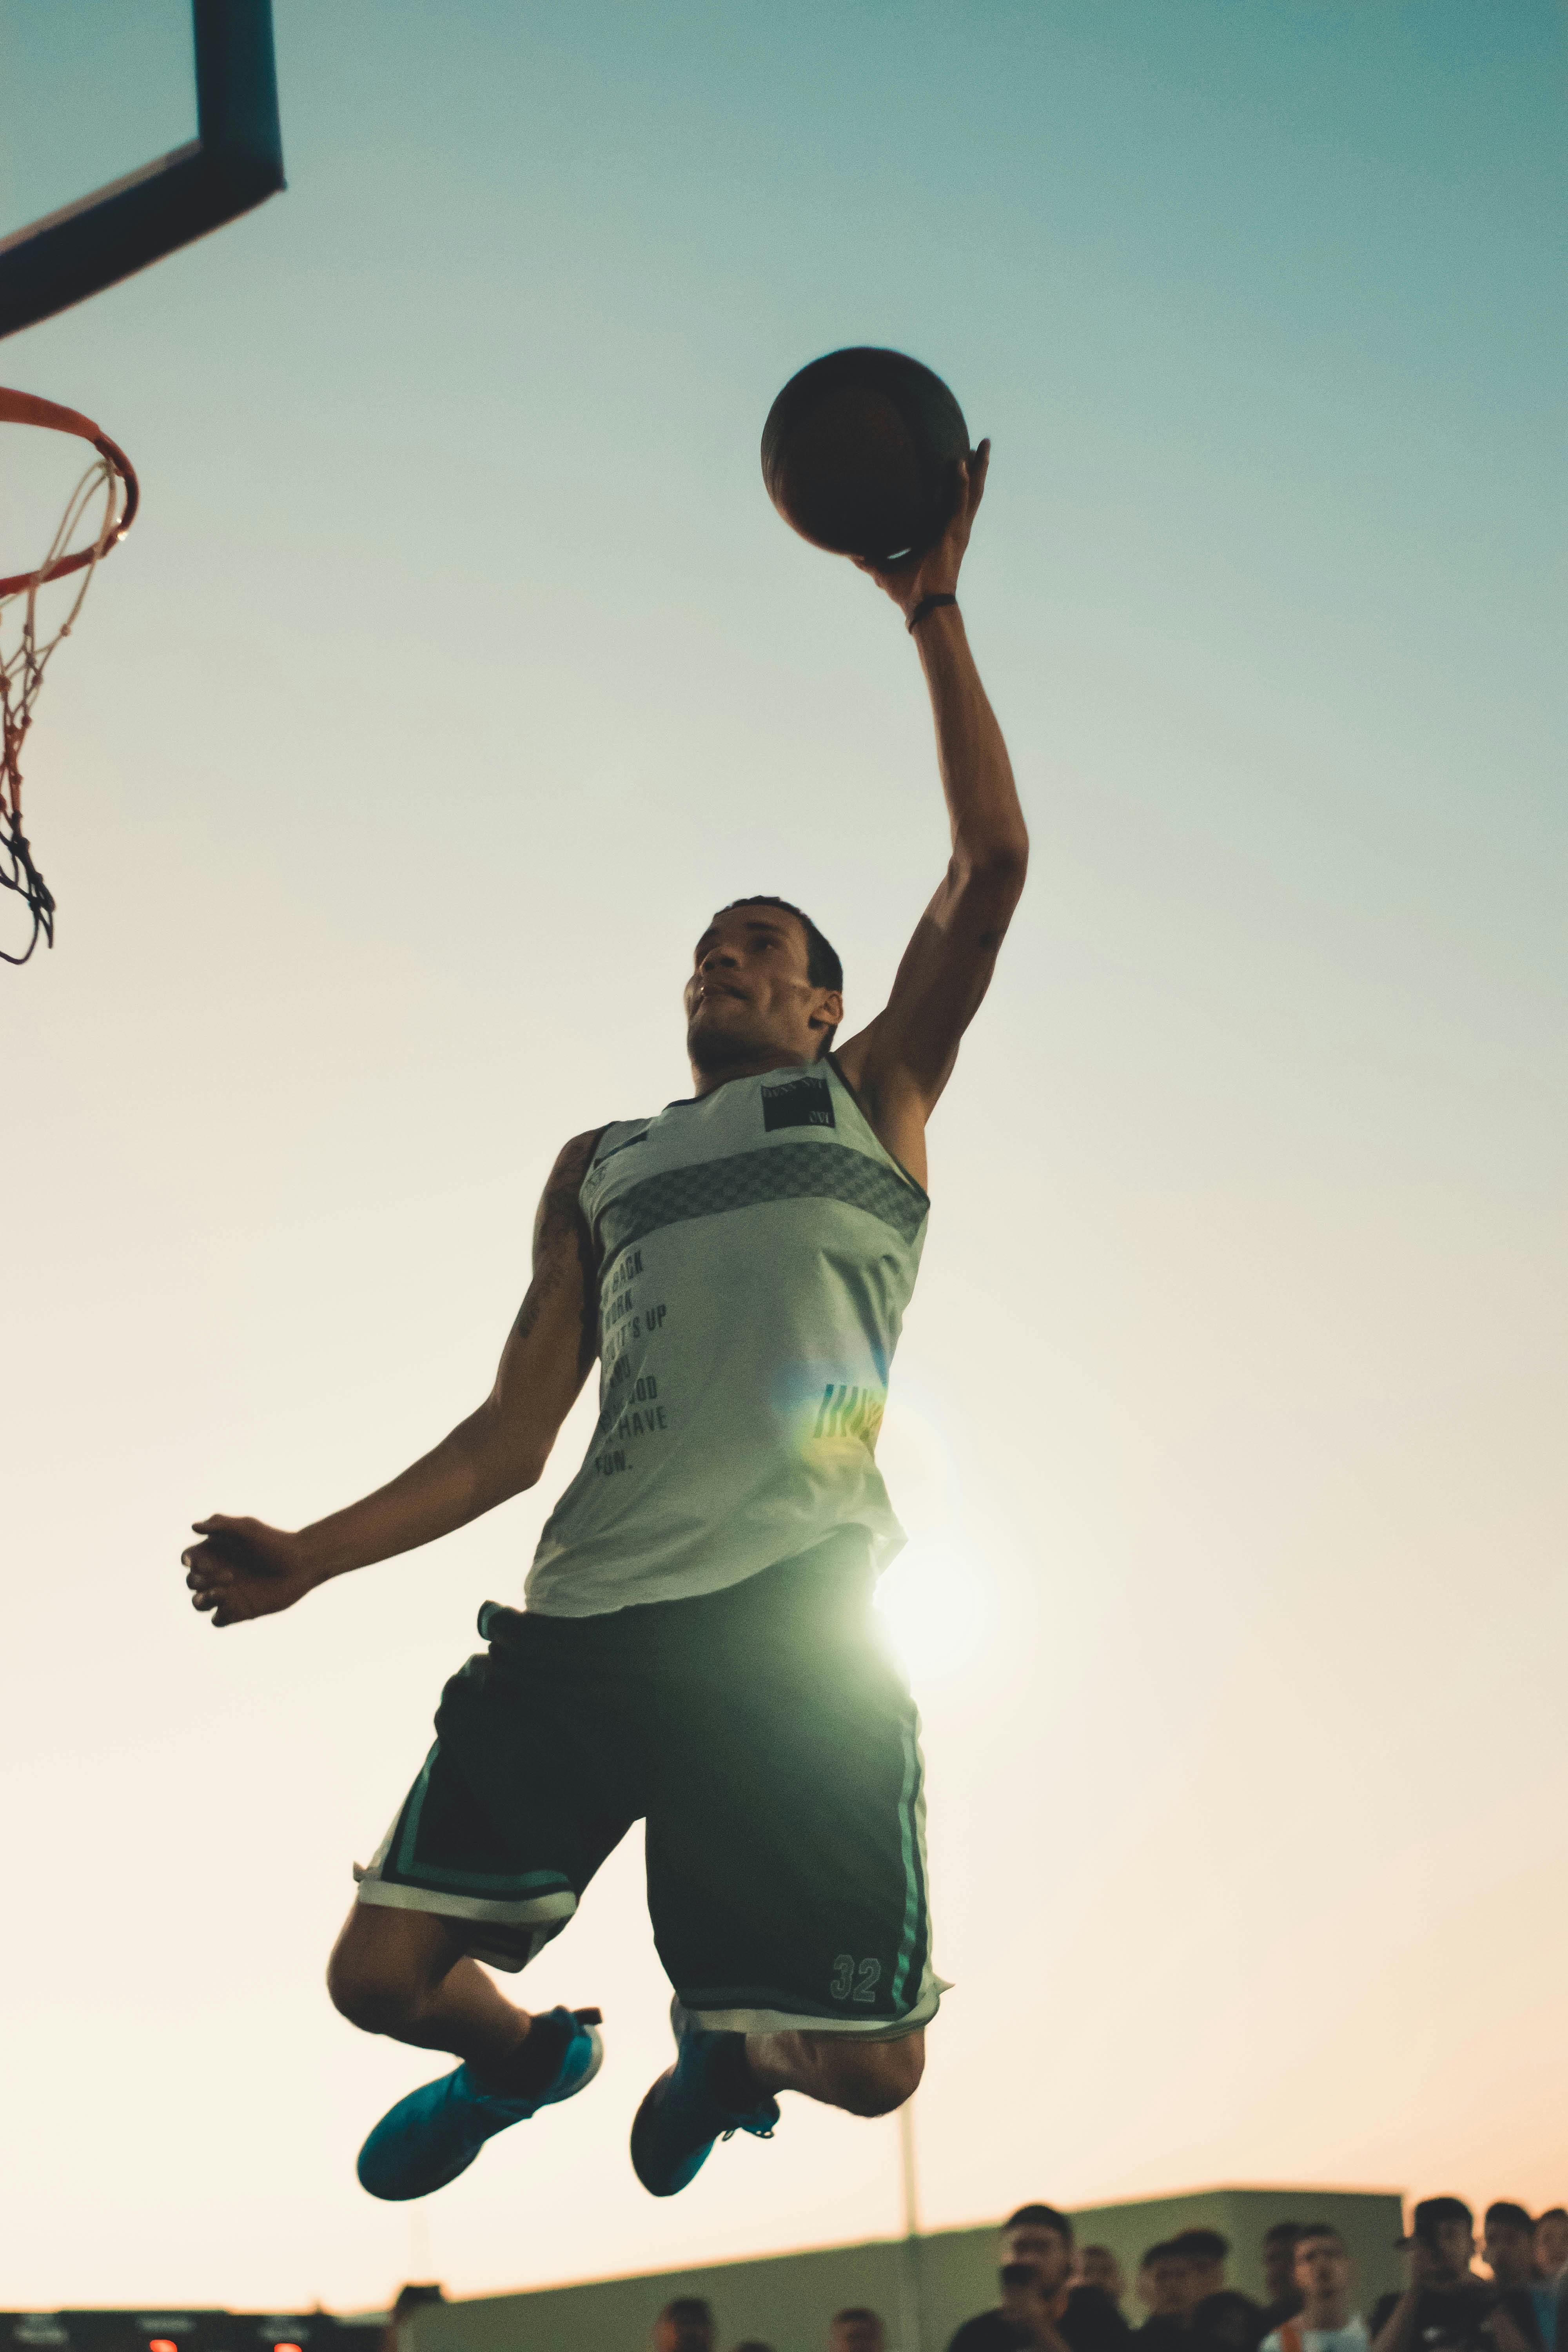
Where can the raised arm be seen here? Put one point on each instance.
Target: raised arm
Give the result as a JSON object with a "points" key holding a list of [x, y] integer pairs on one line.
{"points": [[900, 1063], [245, 1569]]}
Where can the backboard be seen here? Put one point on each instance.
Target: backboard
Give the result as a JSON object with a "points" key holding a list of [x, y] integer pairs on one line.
{"points": [[127, 129]]}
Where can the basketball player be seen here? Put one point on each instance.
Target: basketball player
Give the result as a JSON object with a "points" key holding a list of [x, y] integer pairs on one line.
{"points": [[696, 1649]]}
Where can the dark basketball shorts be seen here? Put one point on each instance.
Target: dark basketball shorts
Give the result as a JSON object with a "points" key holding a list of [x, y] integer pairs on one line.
{"points": [[769, 1743]]}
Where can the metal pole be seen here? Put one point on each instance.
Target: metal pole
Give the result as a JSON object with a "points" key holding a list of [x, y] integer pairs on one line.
{"points": [[913, 2329]]}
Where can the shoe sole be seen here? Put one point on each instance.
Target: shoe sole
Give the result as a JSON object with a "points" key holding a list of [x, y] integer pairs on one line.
{"points": [[559, 2098]]}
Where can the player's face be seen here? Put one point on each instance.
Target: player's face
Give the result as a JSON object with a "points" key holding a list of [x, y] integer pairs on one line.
{"points": [[1097, 2266], [1456, 2243], [1045, 2250], [1509, 2252], [1322, 2267], [1279, 2267], [1025, 2302], [749, 994], [855, 2336], [676, 2331], [1165, 2285]]}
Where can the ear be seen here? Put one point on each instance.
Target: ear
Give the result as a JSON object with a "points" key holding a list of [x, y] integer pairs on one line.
{"points": [[829, 1014]]}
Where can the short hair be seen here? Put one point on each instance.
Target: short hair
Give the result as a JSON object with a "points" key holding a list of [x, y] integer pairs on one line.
{"points": [[857, 2311], [1512, 2215], [1553, 2213], [1201, 2245], [1280, 2229], [1430, 2211], [1319, 2229], [1159, 2254], [1040, 2217], [688, 2306], [823, 969]]}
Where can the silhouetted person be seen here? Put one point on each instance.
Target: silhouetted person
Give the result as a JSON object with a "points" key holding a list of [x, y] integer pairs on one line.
{"points": [[1507, 2249], [1281, 2296], [1080, 2318], [1551, 2243], [1507, 2245], [1326, 2321], [857, 2330], [685, 2325], [1097, 2266], [1442, 2303], [1165, 2291], [1221, 2316]]}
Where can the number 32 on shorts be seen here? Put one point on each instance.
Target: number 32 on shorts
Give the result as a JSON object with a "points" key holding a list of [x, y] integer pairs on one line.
{"points": [[855, 1979]]}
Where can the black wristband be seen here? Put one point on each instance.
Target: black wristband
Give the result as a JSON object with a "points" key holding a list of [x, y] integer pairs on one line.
{"points": [[928, 605]]}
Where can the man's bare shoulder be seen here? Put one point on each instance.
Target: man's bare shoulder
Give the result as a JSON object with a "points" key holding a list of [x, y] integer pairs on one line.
{"points": [[560, 1212], [573, 1160]]}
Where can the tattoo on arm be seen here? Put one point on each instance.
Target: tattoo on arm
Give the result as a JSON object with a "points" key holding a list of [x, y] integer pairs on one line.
{"points": [[563, 1245]]}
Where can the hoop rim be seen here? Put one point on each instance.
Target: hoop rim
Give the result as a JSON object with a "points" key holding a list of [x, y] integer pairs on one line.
{"points": [[27, 408]]}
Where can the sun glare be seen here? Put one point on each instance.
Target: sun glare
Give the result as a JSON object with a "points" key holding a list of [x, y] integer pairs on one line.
{"points": [[937, 1606]]}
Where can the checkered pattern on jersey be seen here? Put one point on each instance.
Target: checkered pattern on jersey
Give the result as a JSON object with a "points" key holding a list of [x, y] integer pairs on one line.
{"points": [[789, 1172]]}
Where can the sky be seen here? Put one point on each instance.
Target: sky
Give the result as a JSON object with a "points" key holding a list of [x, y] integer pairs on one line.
{"points": [[456, 670]]}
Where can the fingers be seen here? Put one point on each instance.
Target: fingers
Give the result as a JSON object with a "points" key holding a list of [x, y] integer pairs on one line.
{"points": [[979, 466]]}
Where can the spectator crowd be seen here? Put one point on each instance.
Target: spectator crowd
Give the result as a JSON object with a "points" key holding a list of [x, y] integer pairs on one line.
{"points": [[1055, 2295]]}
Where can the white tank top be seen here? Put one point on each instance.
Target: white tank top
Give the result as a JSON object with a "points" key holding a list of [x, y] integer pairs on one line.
{"points": [[757, 1248]]}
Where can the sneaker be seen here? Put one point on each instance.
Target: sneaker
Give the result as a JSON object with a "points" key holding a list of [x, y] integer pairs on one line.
{"points": [[434, 2133], [682, 2117]]}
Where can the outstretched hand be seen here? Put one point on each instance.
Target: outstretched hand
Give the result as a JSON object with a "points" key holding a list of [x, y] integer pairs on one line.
{"points": [[244, 1568], [936, 572]]}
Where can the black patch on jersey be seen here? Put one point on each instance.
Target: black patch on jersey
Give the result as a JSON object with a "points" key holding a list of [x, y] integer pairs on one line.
{"points": [[801, 1102], [624, 1145]]}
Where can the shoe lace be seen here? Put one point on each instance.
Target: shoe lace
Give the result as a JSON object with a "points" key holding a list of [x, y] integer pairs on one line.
{"points": [[758, 2131]]}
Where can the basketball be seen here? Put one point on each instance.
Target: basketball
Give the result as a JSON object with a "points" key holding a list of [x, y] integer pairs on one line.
{"points": [[858, 452]]}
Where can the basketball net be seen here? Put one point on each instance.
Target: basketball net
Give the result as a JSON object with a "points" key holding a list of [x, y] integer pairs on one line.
{"points": [[28, 647]]}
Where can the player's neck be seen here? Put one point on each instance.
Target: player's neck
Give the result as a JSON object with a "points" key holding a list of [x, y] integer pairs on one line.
{"points": [[1330, 2314]]}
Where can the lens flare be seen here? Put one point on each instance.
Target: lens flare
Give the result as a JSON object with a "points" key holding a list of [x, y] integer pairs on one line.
{"points": [[937, 1606]]}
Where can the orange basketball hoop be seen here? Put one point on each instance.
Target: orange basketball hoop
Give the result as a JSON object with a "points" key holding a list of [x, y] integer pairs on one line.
{"points": [[25, 656]]}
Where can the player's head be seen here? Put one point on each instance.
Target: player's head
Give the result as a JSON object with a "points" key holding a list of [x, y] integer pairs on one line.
{"points": [[1445, 2228], [1507, 2243], [1164, 2282], [1321, 2262], [1039, 2235], [1280, 2260], [1551, 2243], [764, 984], [1097, 2266], [684, 2325], [856, 2329], [1026, 2301], [1205, 2253]]}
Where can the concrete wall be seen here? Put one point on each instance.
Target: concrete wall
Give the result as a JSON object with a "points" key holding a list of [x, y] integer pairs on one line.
{"points": [[787, 2300]]}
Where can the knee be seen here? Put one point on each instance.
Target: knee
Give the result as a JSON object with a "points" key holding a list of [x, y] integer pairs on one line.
{"points": [[877, 2077], [371, 1990]]}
